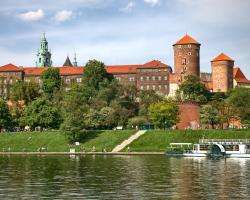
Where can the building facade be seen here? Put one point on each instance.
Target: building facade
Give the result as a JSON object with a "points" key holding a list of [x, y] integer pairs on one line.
{"points": [[153, 75]]}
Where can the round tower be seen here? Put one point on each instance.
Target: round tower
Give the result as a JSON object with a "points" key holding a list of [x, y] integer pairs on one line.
{"points": [[186, 57], [222, 73]]}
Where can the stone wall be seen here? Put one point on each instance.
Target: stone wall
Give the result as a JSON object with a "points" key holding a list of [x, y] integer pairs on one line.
{"points": [[189, 115]]}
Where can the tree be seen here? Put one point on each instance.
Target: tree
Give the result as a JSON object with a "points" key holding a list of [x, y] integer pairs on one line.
{"points": [[95, 74], [164, 114], [25, 91], [51, 81], [192, 90], [239, 99], [137, 121], [147, 97], [210, 115], [5, 117], [41, 112]]}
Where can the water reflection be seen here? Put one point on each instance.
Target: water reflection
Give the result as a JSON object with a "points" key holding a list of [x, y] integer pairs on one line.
{"points": [[122, 177]]}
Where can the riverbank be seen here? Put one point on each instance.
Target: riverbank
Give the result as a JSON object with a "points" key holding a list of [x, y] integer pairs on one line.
{"points": [[158, 141], [56, 141], [151, 143]]}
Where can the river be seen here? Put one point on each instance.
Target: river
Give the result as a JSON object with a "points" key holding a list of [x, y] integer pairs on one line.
{"points": [[123, 177]]}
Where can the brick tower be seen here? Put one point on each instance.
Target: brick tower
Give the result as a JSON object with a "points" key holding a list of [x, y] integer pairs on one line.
{"points": [[186, 57], [222, 73]]}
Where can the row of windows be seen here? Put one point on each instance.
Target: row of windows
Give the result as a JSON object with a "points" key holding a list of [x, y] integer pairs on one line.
{"points": [[189, 53], [6, 81], [142, 78], [153, 70], [154, 87], [67, 80]]}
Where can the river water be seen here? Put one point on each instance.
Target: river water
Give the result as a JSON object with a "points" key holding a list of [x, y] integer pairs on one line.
{"points": [[123, 177]]}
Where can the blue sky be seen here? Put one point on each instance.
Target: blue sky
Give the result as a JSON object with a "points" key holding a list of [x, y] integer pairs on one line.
{"points": [[123, 31]]}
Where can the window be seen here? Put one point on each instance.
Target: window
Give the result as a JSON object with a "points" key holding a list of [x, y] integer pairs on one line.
{"points": [[131, 78], [166, 87], [142, 87], [159, 87], [159, 70], [184, 61], [179, 54], [5, 90], [27, 80], [67, 81], [179, 46], [147, 78], [153, 87], [79, 80], [189, 53], [5, 81], [39, 81], [141, 78], [187, 62], [159, 78], [67, 89], [10, 81], [185, 68], [165, 78], [153, 78], [147, 87], [189, 46]]}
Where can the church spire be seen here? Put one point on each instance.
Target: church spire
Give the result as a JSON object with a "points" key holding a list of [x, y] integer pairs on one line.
{"points": [[75, 61], [43, 54]]}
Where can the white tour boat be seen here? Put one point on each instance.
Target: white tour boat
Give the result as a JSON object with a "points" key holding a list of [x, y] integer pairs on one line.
{"points": [[233, 148]]}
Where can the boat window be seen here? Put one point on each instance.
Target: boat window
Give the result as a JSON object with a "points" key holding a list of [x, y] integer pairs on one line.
{"points": [[204, 147], [231, 147]]}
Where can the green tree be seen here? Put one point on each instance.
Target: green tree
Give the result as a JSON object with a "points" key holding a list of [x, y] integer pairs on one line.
{"points": [[164, 114], [95, 74], [24, 91], [137, 121], [239, 99], [5, 117], [41, 112], [210, 116], [51, 81], [146, 98], [192, 90]]}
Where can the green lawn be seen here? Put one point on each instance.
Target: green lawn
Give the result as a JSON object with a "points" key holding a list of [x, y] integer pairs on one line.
{"points": [[56, 141], [158, 141]]}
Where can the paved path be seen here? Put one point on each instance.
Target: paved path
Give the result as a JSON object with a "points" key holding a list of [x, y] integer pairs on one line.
{"points": [[128, 141]]}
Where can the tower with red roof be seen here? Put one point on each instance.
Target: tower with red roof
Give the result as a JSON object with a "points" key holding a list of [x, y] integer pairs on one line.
{"points": [[186, 57], [222, 73]]}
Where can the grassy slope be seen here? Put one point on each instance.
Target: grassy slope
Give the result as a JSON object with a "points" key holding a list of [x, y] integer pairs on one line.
{"points": [[56, 141], [158, 141]]}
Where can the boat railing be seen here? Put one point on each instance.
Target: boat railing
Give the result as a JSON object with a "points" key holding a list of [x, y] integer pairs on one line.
{"points": [[224, 141]]}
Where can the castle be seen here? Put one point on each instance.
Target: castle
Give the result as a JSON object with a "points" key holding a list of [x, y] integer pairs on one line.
{"points": [[153, 75]]}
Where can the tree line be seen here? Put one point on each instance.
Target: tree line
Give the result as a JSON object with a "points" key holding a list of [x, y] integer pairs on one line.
{"points": [[100, 102]]}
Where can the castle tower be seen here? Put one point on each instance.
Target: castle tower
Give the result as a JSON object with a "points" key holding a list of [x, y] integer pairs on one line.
{"points": [[43, 54], [186, 57], [67, 62], [222, 73]]}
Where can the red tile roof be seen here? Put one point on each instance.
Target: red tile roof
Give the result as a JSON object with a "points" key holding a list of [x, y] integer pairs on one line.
{"points": [[153, 63], [71, 70], [239, 76], [10, 67], [187, 40], [128, 69], [222, 57], [34, 71]]}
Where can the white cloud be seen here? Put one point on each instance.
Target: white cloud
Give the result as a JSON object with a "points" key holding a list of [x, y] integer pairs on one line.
{"points": [[152, 2], [32, 15], [63, 15], [128, 7]]}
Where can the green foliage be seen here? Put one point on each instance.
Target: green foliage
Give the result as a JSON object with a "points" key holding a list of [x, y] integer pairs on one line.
{"points": [[210, 115], [164, 114], [5, 117], [192, 90], [24, 91], [147, 97], [137, 122], [51, 81], [94, 74], [41, 113], [239, 99]]}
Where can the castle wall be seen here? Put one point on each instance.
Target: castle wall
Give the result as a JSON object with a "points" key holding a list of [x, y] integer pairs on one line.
{"points": [[189, 116]]}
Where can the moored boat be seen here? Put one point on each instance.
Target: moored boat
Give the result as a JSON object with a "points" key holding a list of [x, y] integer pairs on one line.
{"points": [[233, 148]]}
